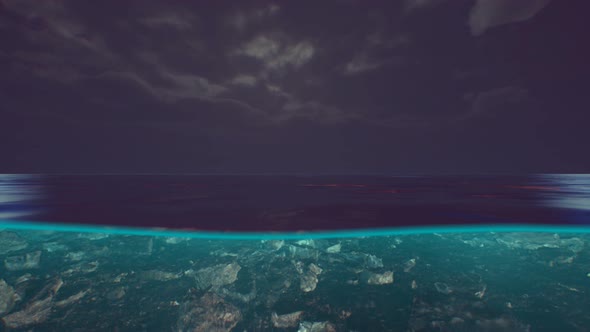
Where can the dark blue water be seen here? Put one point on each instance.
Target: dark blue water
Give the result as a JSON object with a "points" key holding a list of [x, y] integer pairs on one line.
{"points": [[250, 203]]}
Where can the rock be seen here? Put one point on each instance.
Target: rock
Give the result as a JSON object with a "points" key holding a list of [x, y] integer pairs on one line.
{"points": [[223, 253], [24, 278], [372, 262], [10, 241], [35, 313], [480, 294], [535, 241], [93, 236], [443, 288], [371, 278], [159, 275], [74, 298], [315, 269], [303, 253], [245, 298], [116, 294], [316, 327], [286, 320], [457, 320], [574, 244], [53, 289], [208, 313], [409, 265], [562, 260], [120, 277], [306, 243], [334, 249], [75, 256], [218, 275], [366, 260], [83, 267], [501, 324], [7, 297], [175, 240], [275, 244], [309, 280], [54, 246], [23, 262], [149, 246]]}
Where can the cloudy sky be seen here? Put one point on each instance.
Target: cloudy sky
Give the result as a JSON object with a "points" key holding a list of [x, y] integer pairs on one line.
{"points": [[414, 86]]}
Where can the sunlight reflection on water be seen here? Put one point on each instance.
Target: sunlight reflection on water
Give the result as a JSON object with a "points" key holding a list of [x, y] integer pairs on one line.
{"points": [[17, 193], [574, 190]]}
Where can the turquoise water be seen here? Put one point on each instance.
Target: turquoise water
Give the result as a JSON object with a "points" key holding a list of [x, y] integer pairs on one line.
{"points": [[44, 226], [489, 278]]}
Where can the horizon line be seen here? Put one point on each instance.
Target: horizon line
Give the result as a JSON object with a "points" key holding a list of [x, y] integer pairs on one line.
{"points": [[320, 234], [297, 173]]}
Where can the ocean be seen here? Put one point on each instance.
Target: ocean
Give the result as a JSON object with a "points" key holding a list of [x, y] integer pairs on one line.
{"points": [[294, 253]]}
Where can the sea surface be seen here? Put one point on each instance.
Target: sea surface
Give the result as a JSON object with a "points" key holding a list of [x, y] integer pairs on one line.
{"points": [[294, 253], [291, 203]]}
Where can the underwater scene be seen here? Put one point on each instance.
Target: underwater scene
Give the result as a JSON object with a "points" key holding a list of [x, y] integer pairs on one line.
{"points": [[486, 281], [272, 273]]}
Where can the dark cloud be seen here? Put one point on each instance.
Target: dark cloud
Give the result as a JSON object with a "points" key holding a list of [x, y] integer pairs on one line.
{"points": [[411, 5], [243, 19], [487, 14], [493, 102], [293, 86]]}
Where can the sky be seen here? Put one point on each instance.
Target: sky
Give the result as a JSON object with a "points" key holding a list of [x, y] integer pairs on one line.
{"points": [[349, 86]]}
